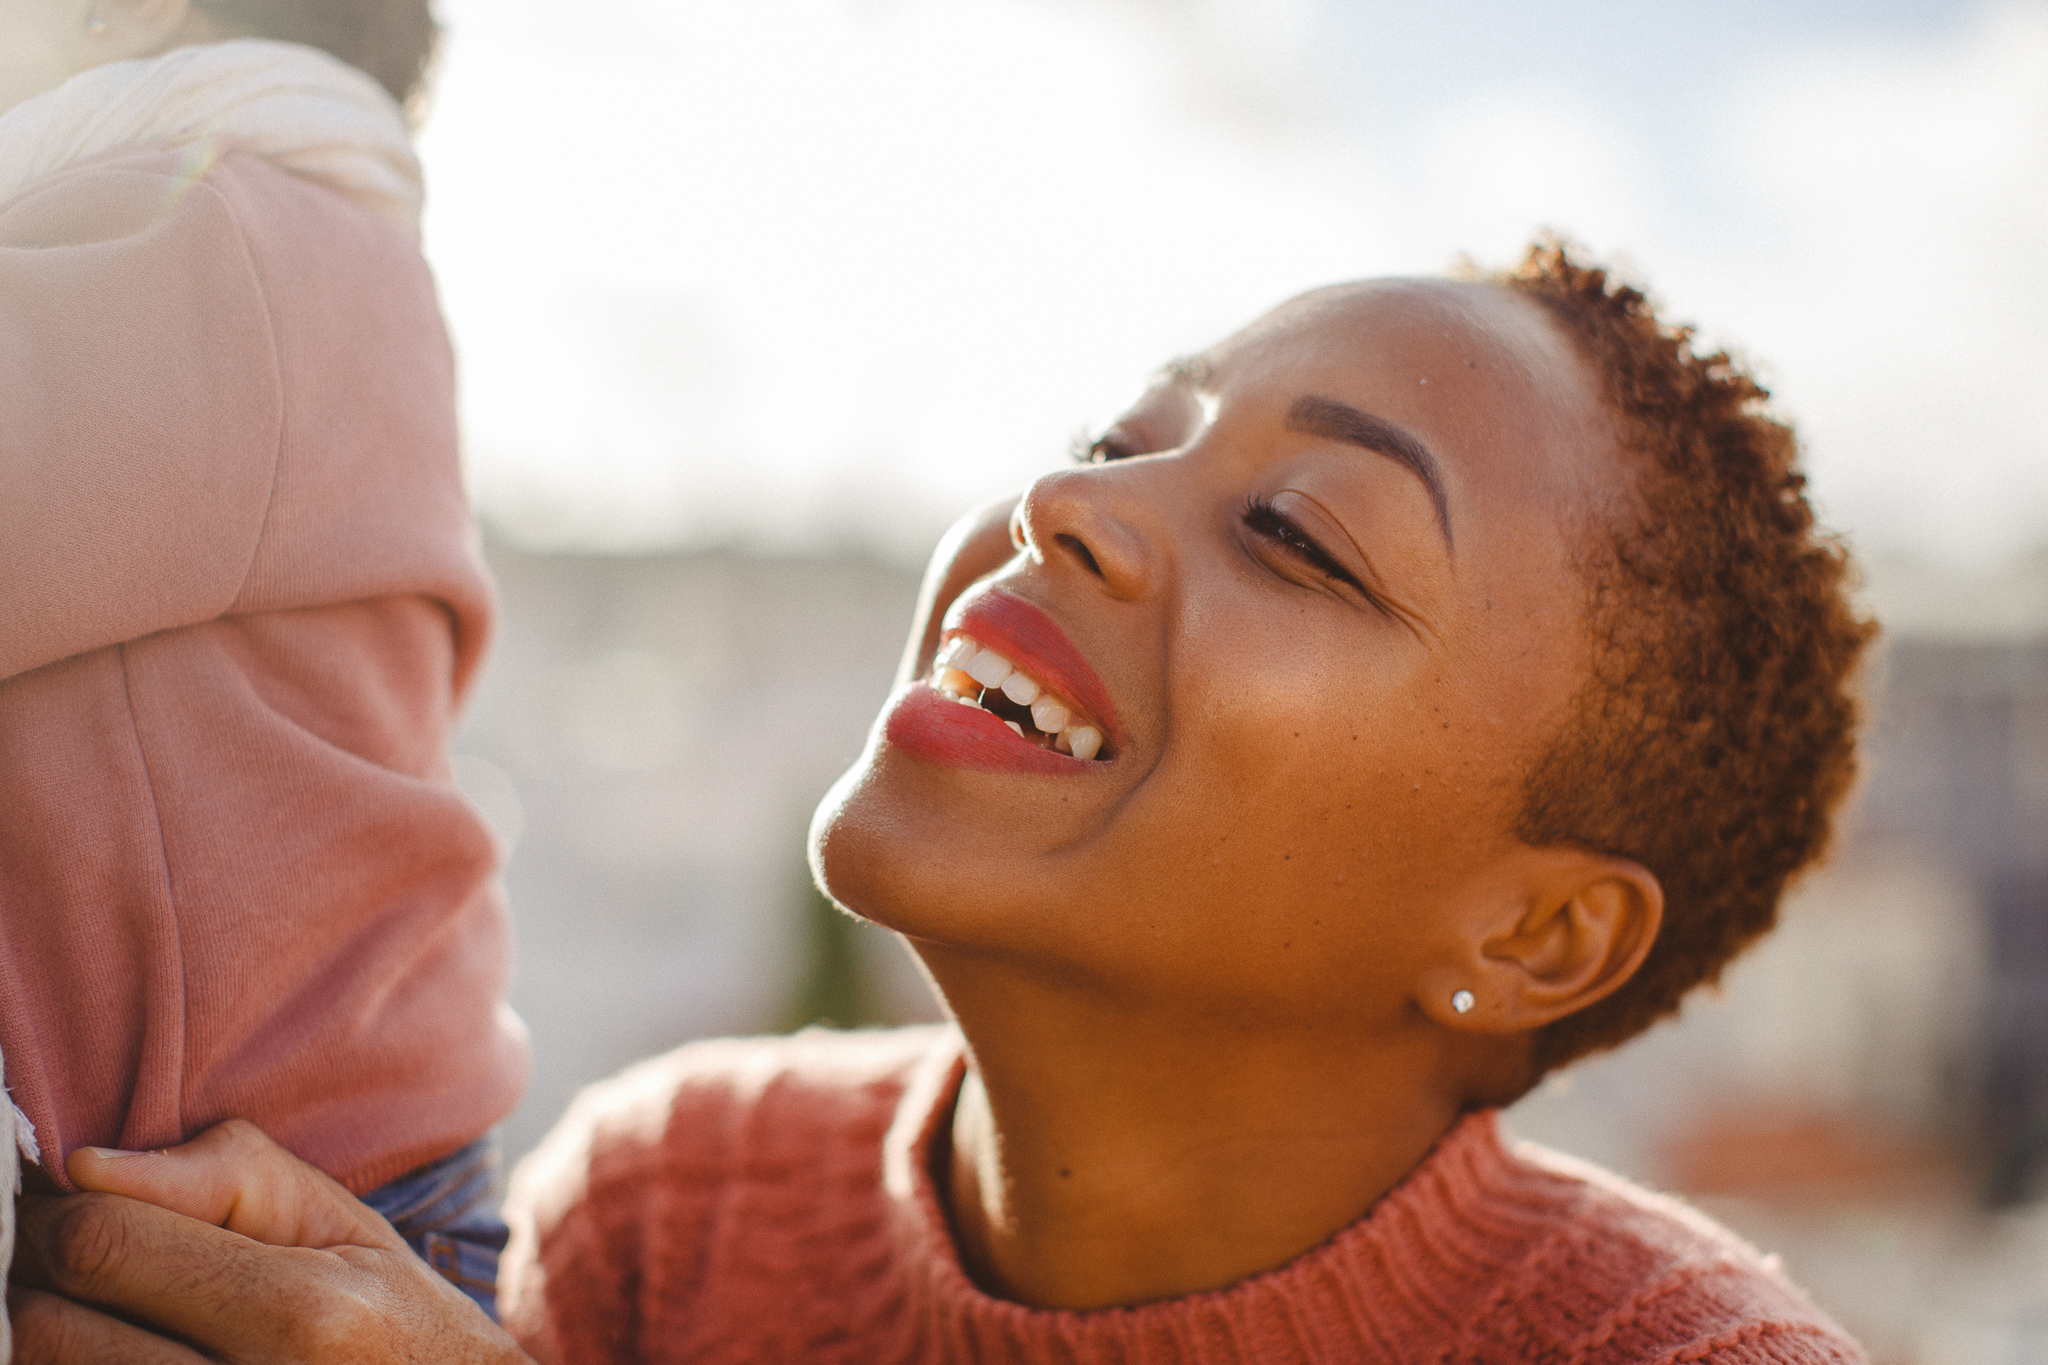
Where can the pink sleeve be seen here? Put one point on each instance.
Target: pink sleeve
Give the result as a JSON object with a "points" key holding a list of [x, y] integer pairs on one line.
{"points": [[140, 408]]}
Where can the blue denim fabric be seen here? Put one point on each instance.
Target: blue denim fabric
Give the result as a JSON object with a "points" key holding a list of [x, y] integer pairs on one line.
{"points": [[448, 1213]]}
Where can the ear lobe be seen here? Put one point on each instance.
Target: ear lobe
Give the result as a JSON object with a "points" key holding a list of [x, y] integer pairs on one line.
{"points": [[1582, 932]]}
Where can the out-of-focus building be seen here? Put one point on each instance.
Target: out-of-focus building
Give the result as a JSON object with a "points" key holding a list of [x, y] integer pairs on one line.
{"points": [[1866, 1093], [650, 736]]}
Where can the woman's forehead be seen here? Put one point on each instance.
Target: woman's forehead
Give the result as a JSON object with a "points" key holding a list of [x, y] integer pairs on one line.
{"points": [[1479, 370], [1489, 329]]}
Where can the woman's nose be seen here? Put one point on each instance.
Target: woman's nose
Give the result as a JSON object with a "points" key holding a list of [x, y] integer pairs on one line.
{"points": [[1074, 519]]}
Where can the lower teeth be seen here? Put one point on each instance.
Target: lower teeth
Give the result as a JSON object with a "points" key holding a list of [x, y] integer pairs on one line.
{"points": [[963, 689]]}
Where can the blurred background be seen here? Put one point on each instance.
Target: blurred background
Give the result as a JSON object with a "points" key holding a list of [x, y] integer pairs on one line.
{"points": [[751, 300]]}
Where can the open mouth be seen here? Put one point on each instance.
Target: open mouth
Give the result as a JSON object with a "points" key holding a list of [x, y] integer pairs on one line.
{"points": [[975, 675]]}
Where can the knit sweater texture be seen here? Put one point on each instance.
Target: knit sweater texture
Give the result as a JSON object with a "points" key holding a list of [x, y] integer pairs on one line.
{"points": [[240, 605], [771, 1200]]}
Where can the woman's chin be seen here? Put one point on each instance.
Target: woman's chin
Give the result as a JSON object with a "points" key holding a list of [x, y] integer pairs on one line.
{"points": [[861, 842], [871, 852], [895, 844]]}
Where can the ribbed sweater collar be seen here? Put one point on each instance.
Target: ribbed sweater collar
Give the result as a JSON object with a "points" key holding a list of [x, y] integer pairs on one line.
{"points": [[1417, 1267]]}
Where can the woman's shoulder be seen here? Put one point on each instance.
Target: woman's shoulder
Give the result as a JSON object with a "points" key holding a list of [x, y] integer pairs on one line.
{"points": [[213, 245], [136, 190], [622, 1206], [150, 219], [101, 199], [725, 1100], [1590, 1264], [708, 1112], [243, 375]]}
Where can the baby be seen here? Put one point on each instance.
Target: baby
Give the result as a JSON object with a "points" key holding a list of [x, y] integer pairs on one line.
{"points": [[242, 606]]}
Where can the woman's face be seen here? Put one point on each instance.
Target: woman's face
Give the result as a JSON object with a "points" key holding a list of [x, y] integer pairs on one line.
{"points": [[1317, 600], [42, 45]]}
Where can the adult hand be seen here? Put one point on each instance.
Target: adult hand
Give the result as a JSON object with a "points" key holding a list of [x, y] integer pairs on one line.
{"points": [[231, 1249]]}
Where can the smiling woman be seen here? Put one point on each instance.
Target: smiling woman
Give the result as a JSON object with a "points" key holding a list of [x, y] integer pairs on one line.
{"points": [[1266, 798]]}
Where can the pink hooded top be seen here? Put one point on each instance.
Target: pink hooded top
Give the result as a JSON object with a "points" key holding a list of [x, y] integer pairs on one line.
{"points": [[771, 1201], [240, 604]]}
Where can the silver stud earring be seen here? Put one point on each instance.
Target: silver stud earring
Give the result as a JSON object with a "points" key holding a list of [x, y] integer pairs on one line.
{"points": [[95, 26], [1462, 1002]]}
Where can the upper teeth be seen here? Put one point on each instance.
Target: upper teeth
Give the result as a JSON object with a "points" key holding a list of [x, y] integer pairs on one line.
{"points": [[966, 671]]}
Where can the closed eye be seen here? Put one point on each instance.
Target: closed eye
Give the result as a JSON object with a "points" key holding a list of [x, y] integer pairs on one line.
{"points": [[1263, 519], [1099, 449]]}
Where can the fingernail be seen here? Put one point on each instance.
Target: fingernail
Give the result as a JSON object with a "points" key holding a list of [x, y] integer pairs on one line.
{"points": [[109, 1153]]}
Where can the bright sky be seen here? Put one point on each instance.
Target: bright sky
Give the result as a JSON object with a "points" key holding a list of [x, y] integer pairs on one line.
{"points": [[826, 271]]}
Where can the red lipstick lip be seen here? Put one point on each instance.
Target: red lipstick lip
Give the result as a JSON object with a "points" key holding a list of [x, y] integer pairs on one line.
{"points": [[1033, 641], [923, 722]]}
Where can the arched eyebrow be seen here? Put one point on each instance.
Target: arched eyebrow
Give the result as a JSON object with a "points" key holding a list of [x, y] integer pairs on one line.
{"points": [[1327, 417]]}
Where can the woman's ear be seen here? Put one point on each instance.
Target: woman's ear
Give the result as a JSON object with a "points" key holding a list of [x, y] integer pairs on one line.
{"points": [[1580, 927]]}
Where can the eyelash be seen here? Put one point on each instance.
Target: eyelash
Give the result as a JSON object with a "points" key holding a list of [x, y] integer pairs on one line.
{"points": [[1093, 450], [1262, 518]]}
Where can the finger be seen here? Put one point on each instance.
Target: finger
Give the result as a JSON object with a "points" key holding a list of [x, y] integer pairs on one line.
{"points": [[197, 1282], [233, 1176], [977, 544], [52, 1331], [235, 1299]]}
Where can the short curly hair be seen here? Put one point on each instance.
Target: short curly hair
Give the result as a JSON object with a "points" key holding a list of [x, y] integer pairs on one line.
{"points": [[392, 40], [1716, 735]]}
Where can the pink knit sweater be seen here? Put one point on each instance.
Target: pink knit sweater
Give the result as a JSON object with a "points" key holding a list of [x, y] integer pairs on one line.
{"points": [[240, 602], [769, 1200]]}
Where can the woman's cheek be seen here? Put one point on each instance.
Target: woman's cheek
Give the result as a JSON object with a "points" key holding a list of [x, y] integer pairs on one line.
{"points": [[1320, 769], [972, 548]]}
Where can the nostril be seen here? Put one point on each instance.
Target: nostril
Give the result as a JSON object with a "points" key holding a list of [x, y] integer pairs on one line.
{"points": [[1072, 544]]}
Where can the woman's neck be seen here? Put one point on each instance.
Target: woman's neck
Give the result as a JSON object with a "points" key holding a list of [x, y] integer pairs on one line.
{"points": [[1100, 1156]]}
